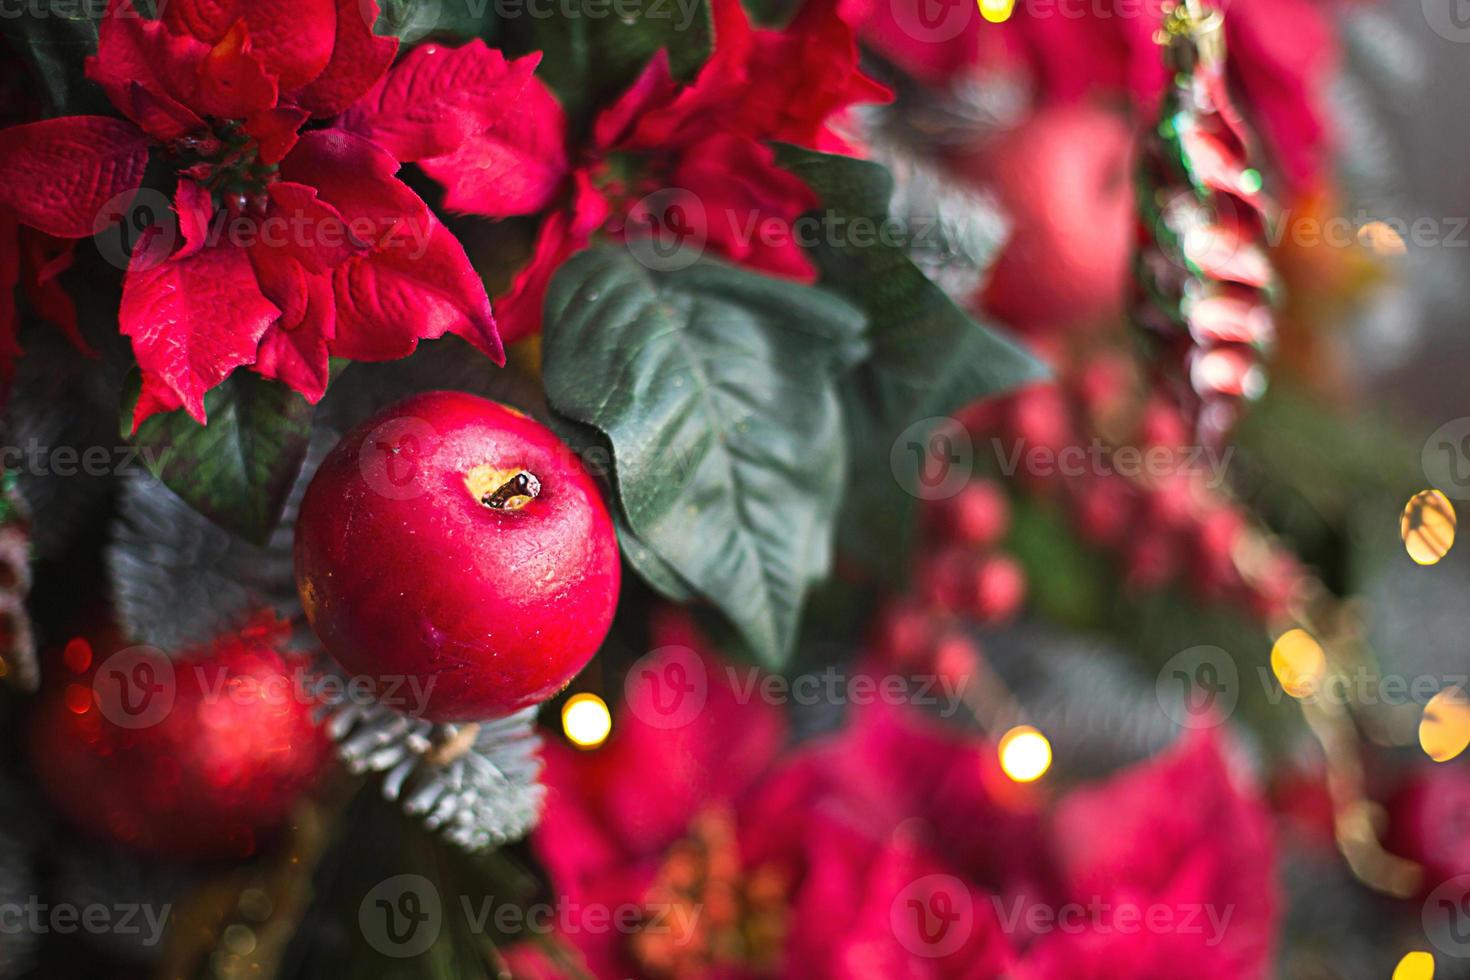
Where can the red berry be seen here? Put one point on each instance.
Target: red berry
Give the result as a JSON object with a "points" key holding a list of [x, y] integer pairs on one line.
{"points": [[456, 542], [1105, 509], [194, 758], [944, 578], [998, 588], [905, 633], [956, 660], [978, 515]]}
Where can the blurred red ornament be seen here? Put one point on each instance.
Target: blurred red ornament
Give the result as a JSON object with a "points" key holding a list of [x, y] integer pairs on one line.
{"points": [[1063, 178], [201, 757], [997, 588]]}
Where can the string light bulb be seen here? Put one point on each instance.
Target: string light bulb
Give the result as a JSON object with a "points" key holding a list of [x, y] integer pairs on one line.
{"points": [[1298, 662], [1417, 965], [1444, 730], [586, 720], [1025, 754], [1428, 526], [996, 11]]}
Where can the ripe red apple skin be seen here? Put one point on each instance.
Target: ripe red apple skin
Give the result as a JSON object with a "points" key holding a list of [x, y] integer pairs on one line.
{"points": [[415, 580]]}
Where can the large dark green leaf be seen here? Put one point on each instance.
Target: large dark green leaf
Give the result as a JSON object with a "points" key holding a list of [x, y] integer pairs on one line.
{"points": [[716, 388], [590, 54], [929, 357], [54, 38], [239, 469]]}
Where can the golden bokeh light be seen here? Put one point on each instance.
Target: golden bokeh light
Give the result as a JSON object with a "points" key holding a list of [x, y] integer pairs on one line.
{"points": [[1428, 526], [586, 720], [1298, 662], [1444, 730], [1025, 754], [997, 11], [1417, 965]]}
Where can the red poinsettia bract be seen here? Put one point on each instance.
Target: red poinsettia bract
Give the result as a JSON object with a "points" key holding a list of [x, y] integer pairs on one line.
{"points": [[893, 848], [291, 241], [705, 140]]}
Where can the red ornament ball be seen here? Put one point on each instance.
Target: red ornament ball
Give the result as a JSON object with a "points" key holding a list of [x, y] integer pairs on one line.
{"points": [[199, 757], [1064, 177], [457, 553]]}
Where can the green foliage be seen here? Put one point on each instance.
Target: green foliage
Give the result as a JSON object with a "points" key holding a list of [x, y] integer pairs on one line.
{"points": [[717, 391], [590, 55], [239, 469], [929, 357], [53, 38]]}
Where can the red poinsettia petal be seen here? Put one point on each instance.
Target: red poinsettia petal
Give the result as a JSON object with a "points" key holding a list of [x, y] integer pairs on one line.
{"points": [[195, 211], [802, 77], [294, 37], [134, 52], [417, 287], [514, 166], [305, 228], [9, 276], [161, 116], [355, 176], [294, 349], [652, 89], [518, 312], [43, 259], [60, 172], [233, 82], [274, 131], [193, 321], [750, 205], [359, 59], [1181, 833], [438, 97]]}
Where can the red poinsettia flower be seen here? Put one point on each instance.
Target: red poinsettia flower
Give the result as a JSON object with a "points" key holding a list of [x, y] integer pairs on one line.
{"points": [[646, 823], [704, 142], [287, 244], [999, 886]]}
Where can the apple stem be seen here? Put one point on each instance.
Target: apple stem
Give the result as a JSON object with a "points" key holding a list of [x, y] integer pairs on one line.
{"points": [[523, 484]]}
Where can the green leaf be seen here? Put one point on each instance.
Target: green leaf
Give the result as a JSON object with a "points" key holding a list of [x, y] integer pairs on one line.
{"points": [[238, 470], [54, 38], [716, 388], [590, 54], [929, 357], [414, 20]]}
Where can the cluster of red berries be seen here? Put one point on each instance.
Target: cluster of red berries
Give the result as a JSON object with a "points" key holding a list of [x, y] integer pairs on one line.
{"points": [[961, 576], [1124, 463]]}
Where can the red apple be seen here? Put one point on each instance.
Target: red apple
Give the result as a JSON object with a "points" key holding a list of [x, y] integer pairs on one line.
{"points": [[1065, 177], [454, 546]]}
